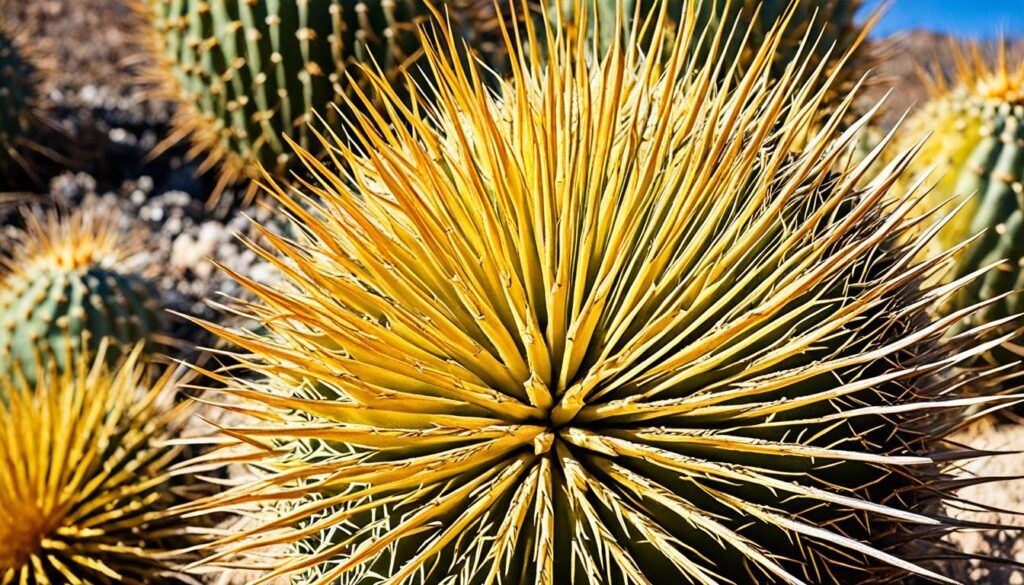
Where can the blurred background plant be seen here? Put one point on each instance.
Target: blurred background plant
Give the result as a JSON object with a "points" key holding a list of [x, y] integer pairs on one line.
{"points": [[976, 116], [70, 281]]}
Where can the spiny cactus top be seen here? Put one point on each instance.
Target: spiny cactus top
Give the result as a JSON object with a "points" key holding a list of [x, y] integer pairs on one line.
{"points": [[247, 73], [978, 147], [606, 328], [64, 284], [84, 475], [19, 113]]}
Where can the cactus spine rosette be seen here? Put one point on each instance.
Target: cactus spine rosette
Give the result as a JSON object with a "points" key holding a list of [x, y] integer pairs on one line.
{"points": [[607, 327], [84, 476], [245, 74], [978, 150], [66, 287]]}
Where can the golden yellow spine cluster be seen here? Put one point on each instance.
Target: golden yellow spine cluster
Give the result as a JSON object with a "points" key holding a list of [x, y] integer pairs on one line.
{"points": [[85, 461], [605, 324]]}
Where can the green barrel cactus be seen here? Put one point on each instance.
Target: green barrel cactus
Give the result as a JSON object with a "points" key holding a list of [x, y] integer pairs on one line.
{"points": [[245, 74], [978, 150], [63, 289], [19, 112]]}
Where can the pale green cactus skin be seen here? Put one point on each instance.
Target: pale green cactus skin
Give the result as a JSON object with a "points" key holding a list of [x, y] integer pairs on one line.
{"points": [[248, 73], [51, 313], [977, 149], [985, 140]]}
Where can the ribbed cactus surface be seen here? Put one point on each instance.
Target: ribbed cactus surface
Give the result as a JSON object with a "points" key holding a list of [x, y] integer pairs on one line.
{"points": [[247, 73], [64, 288], [53, 309], [603, 327], [978, 149]]}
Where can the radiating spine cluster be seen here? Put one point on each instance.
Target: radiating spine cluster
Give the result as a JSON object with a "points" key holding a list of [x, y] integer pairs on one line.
{"points": [[607, 327], [65, 288], [85, 476]]}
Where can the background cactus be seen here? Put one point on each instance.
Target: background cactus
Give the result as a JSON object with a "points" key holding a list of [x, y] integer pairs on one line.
{"points": [[836, 21], [65, 285], [84, 477], [19, 111], [978, 148], [554, 338], [247, 73]]}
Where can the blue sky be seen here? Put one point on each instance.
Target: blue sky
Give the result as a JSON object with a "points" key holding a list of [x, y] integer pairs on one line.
{"points": [[973, 18]]}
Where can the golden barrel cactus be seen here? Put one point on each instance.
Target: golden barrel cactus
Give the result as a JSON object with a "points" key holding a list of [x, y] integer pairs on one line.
{"points": [[85, 476], [605, 328]]}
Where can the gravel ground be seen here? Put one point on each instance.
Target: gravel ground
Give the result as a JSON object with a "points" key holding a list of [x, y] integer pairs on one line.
{"points": [[1005, 495]]}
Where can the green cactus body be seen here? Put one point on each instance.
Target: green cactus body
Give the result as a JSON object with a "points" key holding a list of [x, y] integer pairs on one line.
{"points": [[17, 105], [991, 166], [248, 73], [55, 311], [65, 282], [977, 148]]}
